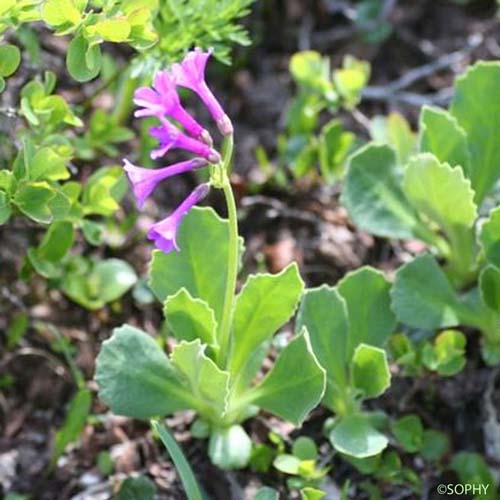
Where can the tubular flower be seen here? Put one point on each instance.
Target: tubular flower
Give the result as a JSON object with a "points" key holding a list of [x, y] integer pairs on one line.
{"points": [[145, 180], [164, 233], [190, 73], [162, 100], [169, 136]]}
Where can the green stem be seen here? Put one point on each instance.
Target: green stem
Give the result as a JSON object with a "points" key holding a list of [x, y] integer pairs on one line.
{"points": [[191, 487], [232, 258]]}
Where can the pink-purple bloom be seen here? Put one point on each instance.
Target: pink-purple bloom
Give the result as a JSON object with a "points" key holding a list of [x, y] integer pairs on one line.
{"points": [[162, 101], [145, 180], [169, 136], [190, 73], [164, 233]]}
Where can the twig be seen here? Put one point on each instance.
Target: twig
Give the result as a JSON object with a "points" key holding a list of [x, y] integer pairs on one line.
{"points": [[276, 208], [394, 91]]}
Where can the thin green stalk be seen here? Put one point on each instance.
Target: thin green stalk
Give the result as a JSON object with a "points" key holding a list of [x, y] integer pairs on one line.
{"points": [[232, 264], [191, 487]]}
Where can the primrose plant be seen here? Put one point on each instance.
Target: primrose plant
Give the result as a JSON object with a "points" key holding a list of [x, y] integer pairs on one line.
{"points": [[443, 193], [222, 339]]}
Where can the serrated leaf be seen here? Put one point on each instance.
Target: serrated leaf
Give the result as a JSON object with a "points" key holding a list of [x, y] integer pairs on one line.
{"points": [[10, 58], [290, 393], [422, 296], [200, 266], [135, 377], [479, 115], [489, 237], [370, 370], [354, 435], [371, 320], [265, 303], [373, 196], [323, 313], [206, 381], [190, 319], [441, 135], [441, 192]]}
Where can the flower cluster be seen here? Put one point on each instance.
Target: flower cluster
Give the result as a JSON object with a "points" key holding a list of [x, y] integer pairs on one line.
{"points": [[162, 101]]}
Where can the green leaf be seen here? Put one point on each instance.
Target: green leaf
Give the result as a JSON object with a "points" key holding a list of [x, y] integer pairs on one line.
{"points": [[409, 432], [33, 198], [17, 328], [112, 30], [112, 278], [82, 60], [5, 209], [471, 468], [489, 284], [230, 448], [490, 237], [440, 192], [323, 313], [206, 381], [60, 12], [135, 377], [447, 355], [309, 493], [200, 266], [373, 196], [10, 58], [266, 493], [74, 423], [354, 435], [287, 464], [103, 190], [290, 393], [46, 258], [370, 370], [441, 135], [371, 320], [191, 486], [190, 319], [351, 79], [422, 296], [48, 165], [305, 448], [479, 115], [334, 146], [137, 488], [265, 303], [394, 131], [310, 69], [435, 445]]}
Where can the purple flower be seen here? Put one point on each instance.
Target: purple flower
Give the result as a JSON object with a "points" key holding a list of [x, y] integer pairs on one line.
{"points": [[162, 100], [191, 74], [164, 233], [170, 137], [145, 180]]}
